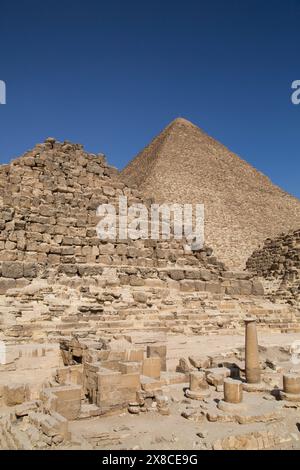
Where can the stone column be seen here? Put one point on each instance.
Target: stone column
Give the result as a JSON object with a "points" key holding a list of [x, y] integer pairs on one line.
{"points": [[251, 352], [233, 397], [199, 388]]}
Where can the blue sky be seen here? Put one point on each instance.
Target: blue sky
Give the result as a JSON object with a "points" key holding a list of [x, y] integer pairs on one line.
{"points": [[111, 75]]}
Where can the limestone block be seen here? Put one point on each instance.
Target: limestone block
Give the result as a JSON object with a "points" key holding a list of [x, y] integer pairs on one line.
{"points": [[216, 376], [130, 367], [25, 408], [187, 285], [30, 270], [245, 287], [233, 391], [177, 275], [134, 355], [64, 399], [136, 281], [257, 288], [5, 284], [108, 191], [116, 390], [183, 366]]}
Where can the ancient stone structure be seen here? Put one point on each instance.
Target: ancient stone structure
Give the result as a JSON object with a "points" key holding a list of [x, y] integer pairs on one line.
{"points": [[233, 396], [86, 324], [252, 365]]}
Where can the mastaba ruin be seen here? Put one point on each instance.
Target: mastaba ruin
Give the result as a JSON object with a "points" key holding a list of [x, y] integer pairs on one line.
{"points": [[141, 343], [242, 206]]}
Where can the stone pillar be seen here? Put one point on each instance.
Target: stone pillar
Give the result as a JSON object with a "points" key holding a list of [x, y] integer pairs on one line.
{"points": [[251, 352], [233, 391], [199, 388], [291, 383], [291, 387]]}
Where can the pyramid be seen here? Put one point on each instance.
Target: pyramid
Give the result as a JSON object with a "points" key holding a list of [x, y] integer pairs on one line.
{"points": [[242, 206]]}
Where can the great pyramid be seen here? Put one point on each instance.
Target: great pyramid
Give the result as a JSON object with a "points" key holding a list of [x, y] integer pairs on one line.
{"points": [[242, 206]]}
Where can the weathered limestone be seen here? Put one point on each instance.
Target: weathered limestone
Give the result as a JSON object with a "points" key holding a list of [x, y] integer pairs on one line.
{"points": [[16, 394], [116, 390], [278, 261], [199, 388], [233, 396], [252, 441], [291, 387], [177, 176], [59, 283], [202, 362], [64, 400], [215, 376], [151, 367], [251, 352]]}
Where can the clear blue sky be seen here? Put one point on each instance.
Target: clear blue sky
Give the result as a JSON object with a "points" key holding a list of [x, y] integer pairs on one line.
{"points": [[112, 74]]}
